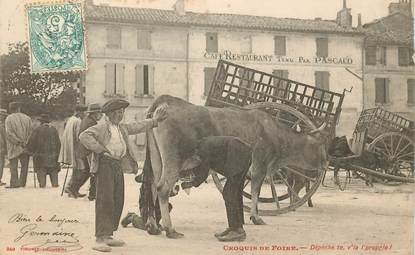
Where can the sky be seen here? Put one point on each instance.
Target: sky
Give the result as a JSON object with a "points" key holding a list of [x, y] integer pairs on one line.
{"points": [[13, 23]]}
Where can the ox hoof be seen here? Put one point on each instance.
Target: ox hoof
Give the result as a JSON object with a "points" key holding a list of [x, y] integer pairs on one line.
{"points": [[173, 234], [257, 220]]}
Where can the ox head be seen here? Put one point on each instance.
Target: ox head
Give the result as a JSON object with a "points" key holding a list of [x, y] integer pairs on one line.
{"points": [[315, 151]]}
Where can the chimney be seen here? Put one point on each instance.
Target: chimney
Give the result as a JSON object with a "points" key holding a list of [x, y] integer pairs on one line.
{"points": [[403, 6], [178, 7], [344, 16], [359, 21]]}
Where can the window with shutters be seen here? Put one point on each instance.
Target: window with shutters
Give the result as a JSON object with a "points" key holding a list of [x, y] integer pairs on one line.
{"points": [[114, 79], [404, 56], [280, 45], [209, 75], [411, 91], [144, 39], [281, 85], [322, 80], [114, 37], [370, 55], [246, 45], [212, 42], [381, 90], [382, 55], [144, 80], [322, 45]]}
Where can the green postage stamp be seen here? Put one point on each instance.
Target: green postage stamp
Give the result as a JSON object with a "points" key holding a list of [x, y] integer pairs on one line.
{"points": [[56, 37]]}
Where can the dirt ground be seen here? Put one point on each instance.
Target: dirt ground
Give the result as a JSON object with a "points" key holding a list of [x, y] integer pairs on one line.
{"points": [[360, 220]]}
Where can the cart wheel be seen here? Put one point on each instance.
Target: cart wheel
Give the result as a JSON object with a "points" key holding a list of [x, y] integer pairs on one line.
{"points": [[396, 155], [283, 190]]}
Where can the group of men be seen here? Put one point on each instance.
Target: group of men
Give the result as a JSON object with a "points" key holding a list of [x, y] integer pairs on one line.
{"points": [[97, 148]]}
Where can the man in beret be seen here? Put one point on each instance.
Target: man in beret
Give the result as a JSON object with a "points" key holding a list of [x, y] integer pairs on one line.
{"points": [[108, 140], [18, 129], [93, 115], [68, 153]]}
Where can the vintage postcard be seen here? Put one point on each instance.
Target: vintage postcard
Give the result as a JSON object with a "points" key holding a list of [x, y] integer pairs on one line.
{"points": [[207, 127]]}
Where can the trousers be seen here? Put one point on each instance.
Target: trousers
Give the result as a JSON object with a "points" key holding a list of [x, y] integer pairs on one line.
{"points": [[15, 180], [232, 194], [80, 177], [109, 201], [53, 175]]}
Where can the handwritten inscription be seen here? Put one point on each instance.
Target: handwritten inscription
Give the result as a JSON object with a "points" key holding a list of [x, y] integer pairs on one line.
{"points": [[46, 234]]}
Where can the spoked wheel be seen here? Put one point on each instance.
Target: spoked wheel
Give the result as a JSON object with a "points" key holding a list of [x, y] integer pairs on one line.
{"points": [[396, 155], [283, 190]]}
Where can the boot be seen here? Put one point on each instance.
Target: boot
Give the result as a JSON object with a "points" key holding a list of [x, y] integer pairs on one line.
{"points": [[233, 235], [127, 219]]}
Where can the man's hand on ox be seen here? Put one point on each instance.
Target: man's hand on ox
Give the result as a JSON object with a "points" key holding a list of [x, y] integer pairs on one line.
{"points": [[160, 113]]}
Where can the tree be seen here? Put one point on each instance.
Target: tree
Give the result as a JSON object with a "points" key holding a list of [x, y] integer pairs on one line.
{"points": [[20, 83]]}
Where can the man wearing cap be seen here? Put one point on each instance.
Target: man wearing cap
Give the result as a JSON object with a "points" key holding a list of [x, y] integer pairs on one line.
{"points": [[44, 144], [70, 141], [109, 142], [18, 129], [93, 116], [3, 144]]}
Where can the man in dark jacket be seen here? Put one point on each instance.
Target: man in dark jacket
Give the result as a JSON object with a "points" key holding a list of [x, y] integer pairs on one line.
{"points": [[93, 116], [230, 157], [45, 145]]}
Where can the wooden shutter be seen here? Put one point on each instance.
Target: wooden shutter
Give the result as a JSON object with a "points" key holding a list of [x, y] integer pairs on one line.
{"points": [[209, 75], [151, 70], [144, 39], [382, 55], [322, 81], [246, 45], [322, 47], [381, 90], [212, 42], [370, 55], [411, 91], [139, 79], [114, 37], [403, 54], [110, 79], [119, 79], [280, 45]]}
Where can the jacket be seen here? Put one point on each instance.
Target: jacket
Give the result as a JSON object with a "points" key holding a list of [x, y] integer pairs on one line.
{"points": [[85, 124], [18, 130], [44, 144], [70, 142], [96, 138]]}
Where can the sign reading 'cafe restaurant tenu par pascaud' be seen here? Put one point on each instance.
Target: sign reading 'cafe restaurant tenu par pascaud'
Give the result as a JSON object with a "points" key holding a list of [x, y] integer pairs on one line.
{"points": [[228, 55]]}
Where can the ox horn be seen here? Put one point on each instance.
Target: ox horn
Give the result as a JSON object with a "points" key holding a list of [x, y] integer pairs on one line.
{"points": [[319, 129]]}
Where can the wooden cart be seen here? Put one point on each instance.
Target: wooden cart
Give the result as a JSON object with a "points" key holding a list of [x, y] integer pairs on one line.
{"points": [[298, 105]]}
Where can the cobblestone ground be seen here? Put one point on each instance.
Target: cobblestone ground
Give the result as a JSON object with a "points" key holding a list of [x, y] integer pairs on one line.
{"points": [[360, 220]]}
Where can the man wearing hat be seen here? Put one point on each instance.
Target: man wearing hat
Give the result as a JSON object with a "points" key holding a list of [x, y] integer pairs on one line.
{"points": [[44, 144], [3, 144], [18, 129], [109, 142], [70, 141], [94, 114]]}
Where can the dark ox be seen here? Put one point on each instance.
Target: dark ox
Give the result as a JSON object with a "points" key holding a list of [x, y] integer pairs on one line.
{"points": [[274, 145]]}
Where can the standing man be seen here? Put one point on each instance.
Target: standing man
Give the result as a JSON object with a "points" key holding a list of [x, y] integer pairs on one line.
{"points": [[3, 144], [70, 141], [44, 144], [18, 129], [231, 157], [93, 116], [109, 142]]}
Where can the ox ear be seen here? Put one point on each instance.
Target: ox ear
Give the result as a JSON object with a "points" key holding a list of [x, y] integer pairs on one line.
{"points": [[192, 162]]}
